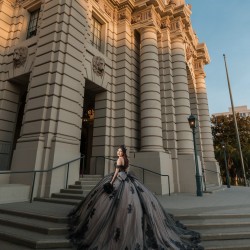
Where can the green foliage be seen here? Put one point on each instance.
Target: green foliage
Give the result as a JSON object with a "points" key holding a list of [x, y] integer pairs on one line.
{"points": [[223, 130]]}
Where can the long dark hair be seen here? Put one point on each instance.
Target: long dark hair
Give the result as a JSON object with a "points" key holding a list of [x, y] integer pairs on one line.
{"points": [[125, 157]]}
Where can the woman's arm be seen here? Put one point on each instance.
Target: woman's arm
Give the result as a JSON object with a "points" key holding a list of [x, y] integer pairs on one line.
{"points": [[119, 162], [114, 176]]}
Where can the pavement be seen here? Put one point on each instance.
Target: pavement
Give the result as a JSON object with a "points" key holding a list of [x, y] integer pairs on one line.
{"points": [[234, 200]]}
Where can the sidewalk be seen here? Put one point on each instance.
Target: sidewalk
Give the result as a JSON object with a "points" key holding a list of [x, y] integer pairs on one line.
{"points": [[226, 201]]}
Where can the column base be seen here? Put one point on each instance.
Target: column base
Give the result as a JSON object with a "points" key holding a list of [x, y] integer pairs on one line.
{"points": [[31, 155], [159, 162], [211, 176], [187, 173]]}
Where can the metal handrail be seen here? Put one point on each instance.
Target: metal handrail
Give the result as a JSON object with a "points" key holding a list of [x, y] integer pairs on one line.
{"points": [[143, 171], [44, 171]]}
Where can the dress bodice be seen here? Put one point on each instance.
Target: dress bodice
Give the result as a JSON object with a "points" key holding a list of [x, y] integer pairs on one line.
{"points": [[121, 167]]}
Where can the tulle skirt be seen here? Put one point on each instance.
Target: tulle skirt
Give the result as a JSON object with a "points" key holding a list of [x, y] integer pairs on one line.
{"points": [[130, 217]]}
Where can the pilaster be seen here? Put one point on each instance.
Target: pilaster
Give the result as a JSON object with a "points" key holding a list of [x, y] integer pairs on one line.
{"points": [[53, 112]]}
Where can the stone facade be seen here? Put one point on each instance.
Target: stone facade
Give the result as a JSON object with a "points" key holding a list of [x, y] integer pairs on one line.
{"points": [[139, 62]]}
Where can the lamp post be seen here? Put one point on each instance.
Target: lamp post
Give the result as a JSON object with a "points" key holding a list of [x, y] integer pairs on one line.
{"points": [[225, 159], [192, 124]]}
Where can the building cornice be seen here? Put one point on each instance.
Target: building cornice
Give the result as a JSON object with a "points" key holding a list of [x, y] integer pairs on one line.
{"points": [[202, 53]]}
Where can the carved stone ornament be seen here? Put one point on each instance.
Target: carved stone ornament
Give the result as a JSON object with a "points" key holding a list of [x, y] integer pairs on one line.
{"points": [[188, 52], [19, 56], [98, 65], [107, 10]]}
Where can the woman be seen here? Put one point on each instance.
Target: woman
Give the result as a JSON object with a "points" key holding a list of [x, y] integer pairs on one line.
{"points": [[127, 216]]}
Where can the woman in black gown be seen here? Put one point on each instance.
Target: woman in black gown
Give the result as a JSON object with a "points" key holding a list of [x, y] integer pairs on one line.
{"points": [[127, 216]]}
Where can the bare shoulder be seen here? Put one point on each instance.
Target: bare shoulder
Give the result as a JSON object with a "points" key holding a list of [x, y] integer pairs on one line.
{"points": [[120, 161]]}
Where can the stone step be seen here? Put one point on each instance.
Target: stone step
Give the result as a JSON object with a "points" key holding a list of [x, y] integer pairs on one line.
{"points": [[196, 225], [211, 188], [34, 225], [91, 176], [86, 182], [83, 187], [90, 179], [74, 191], [224, 236], [5, 245], [32, 239], [30, 215], [240, 244], [58, 201], [67, 196], [210, 216]]}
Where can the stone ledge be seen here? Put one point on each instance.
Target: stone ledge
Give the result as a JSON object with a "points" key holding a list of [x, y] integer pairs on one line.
{"points": [[14, 193]]}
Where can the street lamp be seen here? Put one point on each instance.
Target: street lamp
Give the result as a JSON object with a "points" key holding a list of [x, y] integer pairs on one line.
{"points": [[225, 159], [192, 124]]}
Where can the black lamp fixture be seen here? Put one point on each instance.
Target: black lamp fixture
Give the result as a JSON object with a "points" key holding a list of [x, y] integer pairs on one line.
{"points": [[198, 177]]}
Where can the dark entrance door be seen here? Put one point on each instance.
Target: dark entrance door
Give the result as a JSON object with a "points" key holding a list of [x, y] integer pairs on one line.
{"points": [[87, 131]]}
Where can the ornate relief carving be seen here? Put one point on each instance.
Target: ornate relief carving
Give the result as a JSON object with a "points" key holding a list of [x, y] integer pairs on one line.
{"points": [[165, 23], [125, 14], [199, 67], [148, 15], [20, 56], [98, 65], [108, 10], [176, 25], [189, 52], [142, 16]]}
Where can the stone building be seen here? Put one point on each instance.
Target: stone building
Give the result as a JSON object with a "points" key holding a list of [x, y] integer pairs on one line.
{"points": [[243, 111], [85, 76]]}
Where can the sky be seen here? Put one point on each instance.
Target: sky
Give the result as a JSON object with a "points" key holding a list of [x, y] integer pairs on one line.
{"points": [[224, 25]]}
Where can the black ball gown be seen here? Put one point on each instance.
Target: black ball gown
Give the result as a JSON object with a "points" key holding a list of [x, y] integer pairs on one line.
{"points": [[128, 218]]}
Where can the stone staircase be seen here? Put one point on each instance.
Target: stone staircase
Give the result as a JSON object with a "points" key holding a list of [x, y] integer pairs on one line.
{"points": [[43, 223], [220, 231], [74, 193]]}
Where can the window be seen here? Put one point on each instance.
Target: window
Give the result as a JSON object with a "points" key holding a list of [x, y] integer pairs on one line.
{"points": [[32, 29], [96, 33]]}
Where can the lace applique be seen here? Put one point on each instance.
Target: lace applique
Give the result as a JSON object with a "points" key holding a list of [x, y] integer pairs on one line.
{"points": [[151, 241], [129, 209], [137, 247], [117, 234], [92, 213], [90, 203], [113, 194], [92, 195]]}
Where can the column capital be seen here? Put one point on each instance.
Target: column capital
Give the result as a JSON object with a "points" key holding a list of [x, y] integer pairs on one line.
{"points": [[146, 17], [177, 30], [199, 68]]}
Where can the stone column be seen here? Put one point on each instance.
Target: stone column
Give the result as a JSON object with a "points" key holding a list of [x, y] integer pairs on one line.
{"points": [[185, 148], [151, 125], [181, 97], [152, 155], [205, 130]]}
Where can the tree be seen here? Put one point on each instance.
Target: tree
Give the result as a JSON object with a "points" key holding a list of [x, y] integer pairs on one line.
{"points": [[223, 130]]}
